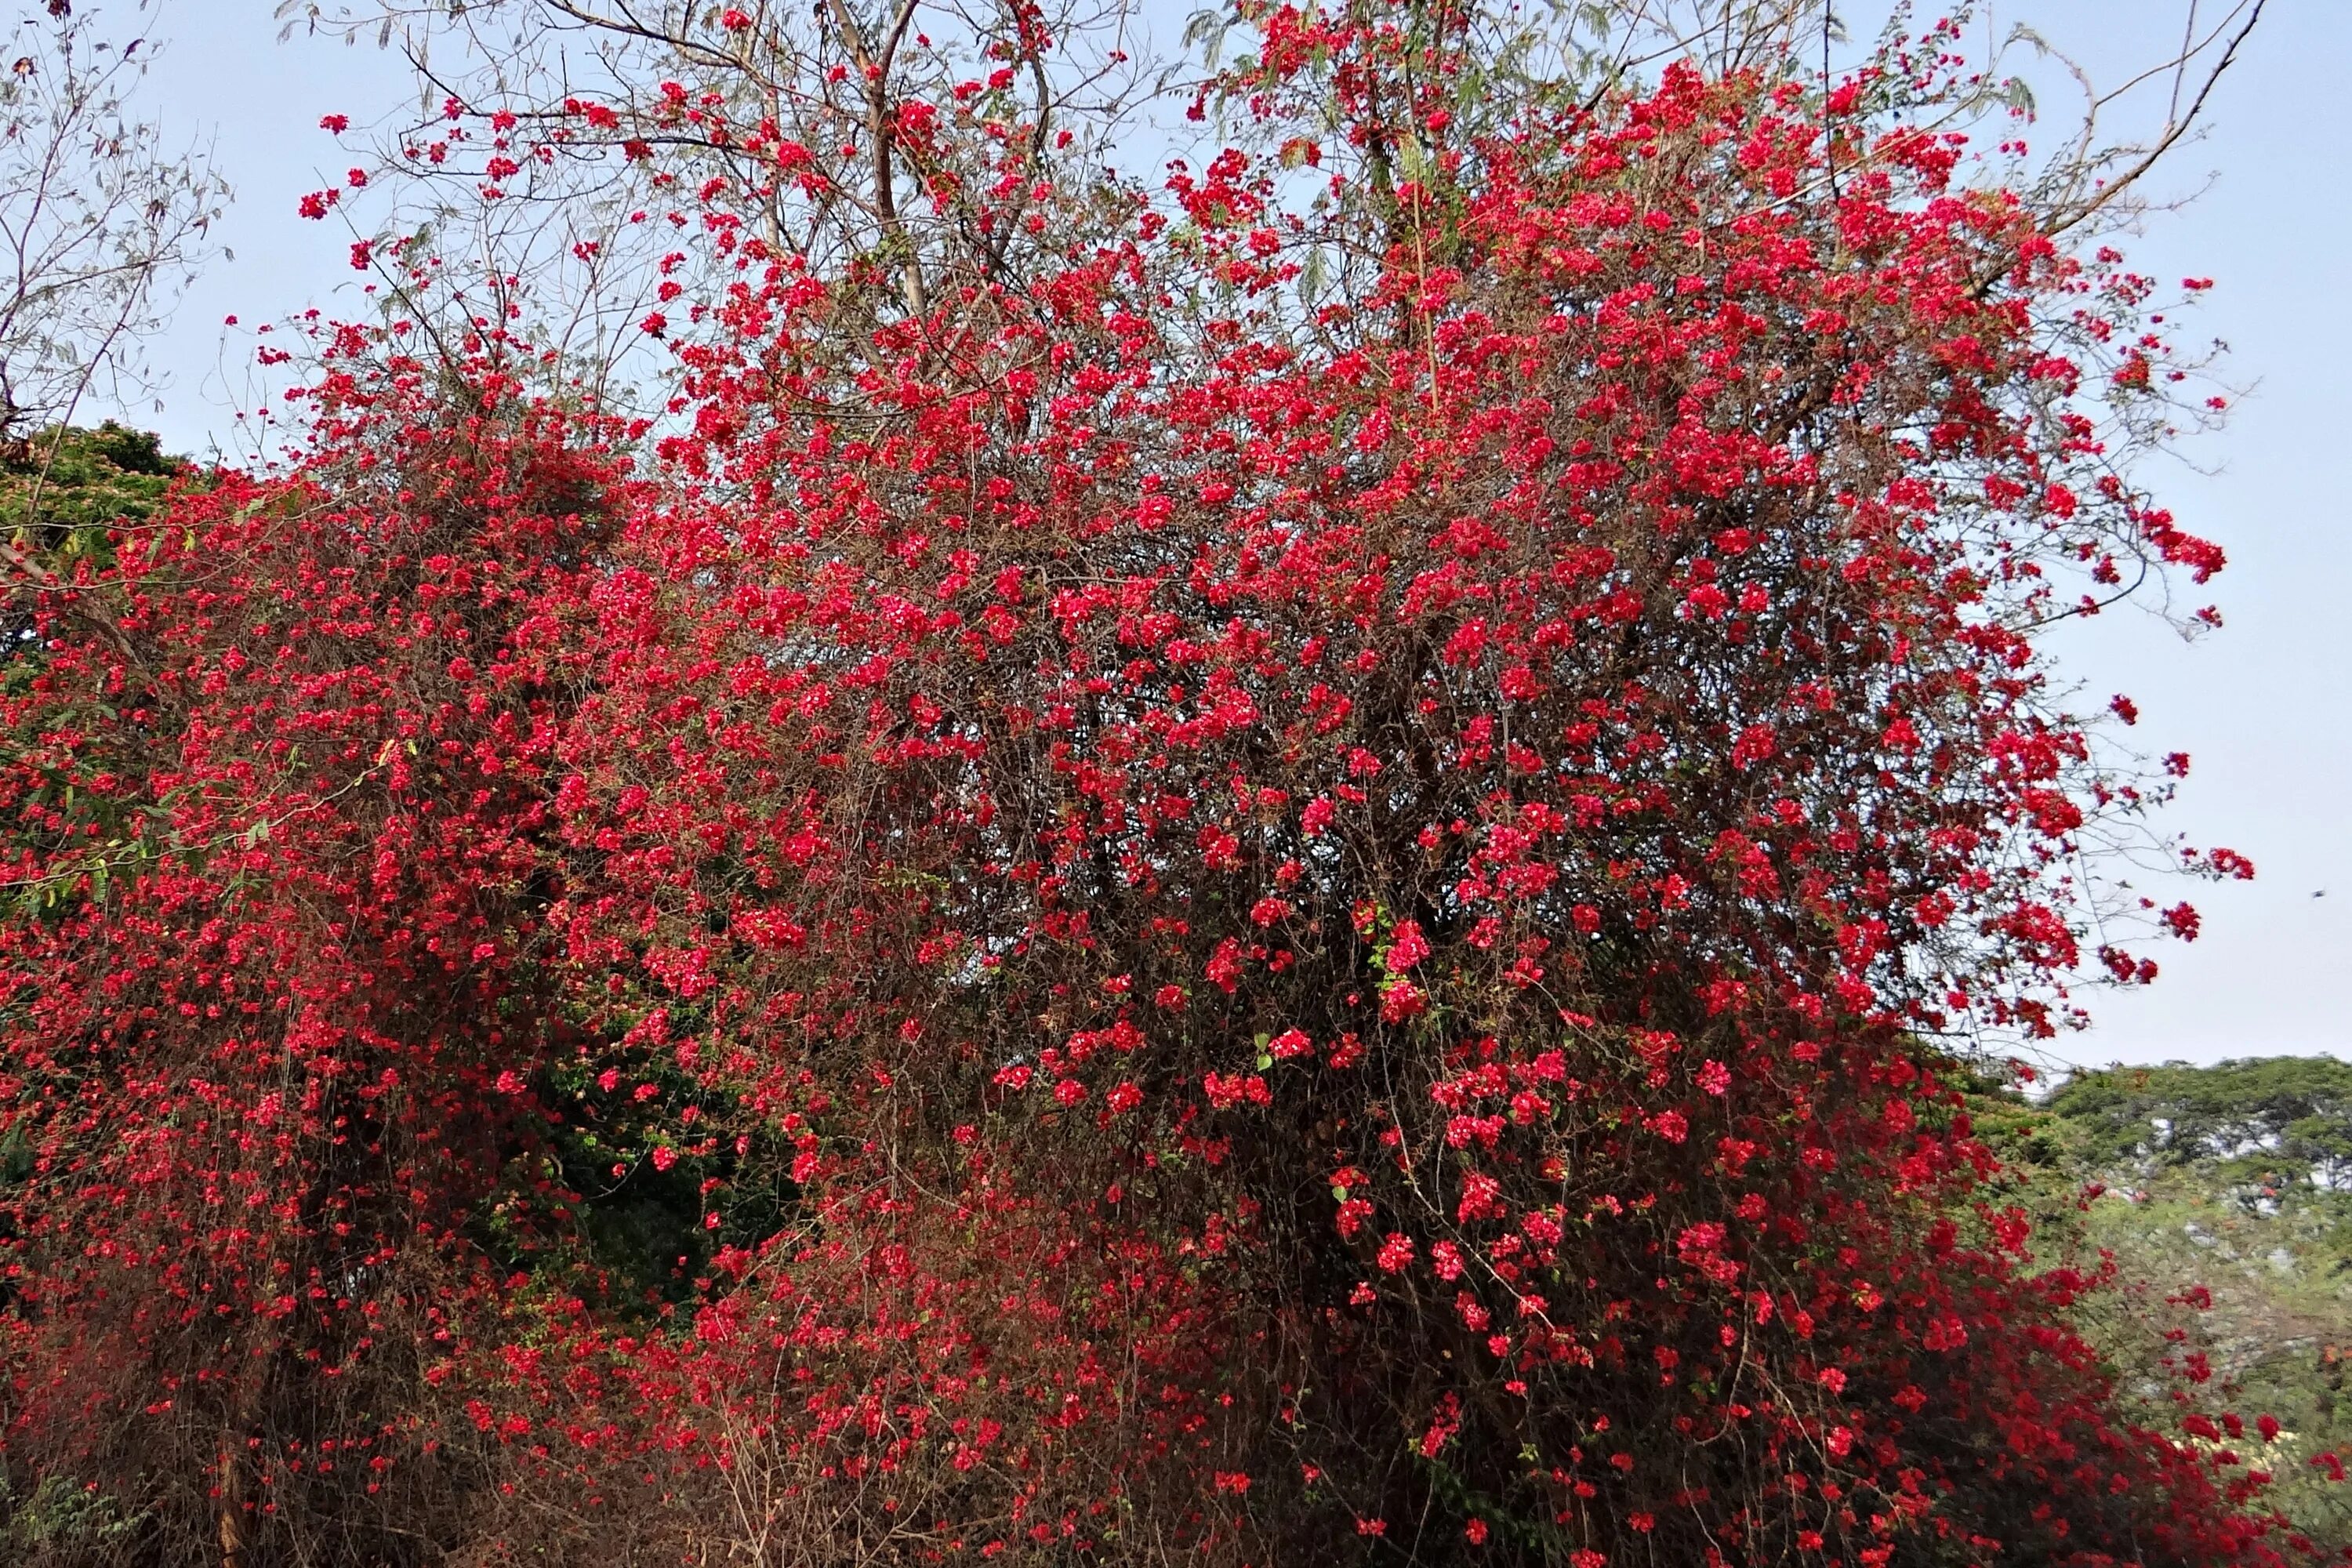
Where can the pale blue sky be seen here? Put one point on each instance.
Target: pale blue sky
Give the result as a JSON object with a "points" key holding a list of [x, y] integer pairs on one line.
{"points": [[2264, 706]]}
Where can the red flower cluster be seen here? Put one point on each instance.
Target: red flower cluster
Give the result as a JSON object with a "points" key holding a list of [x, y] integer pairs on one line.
{"points": [[1122, 903]]}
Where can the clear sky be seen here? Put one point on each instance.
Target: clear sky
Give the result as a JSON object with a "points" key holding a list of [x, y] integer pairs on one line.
{"points": [[2264, 707]]}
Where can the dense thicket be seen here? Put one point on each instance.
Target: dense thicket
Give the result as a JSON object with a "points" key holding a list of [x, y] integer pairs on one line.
{"points": [[1248, 874]]}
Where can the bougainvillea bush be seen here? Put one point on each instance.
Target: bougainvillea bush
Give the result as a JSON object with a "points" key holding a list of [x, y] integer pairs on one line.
{"points": [[1280, 865]]}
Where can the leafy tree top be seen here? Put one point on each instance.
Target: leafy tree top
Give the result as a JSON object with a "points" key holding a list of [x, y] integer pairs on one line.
{"points": [[2264, 1111]]}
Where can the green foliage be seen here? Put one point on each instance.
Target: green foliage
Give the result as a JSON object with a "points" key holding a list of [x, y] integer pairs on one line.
{"points": [[2213, 1194], [2278, 1118], [61, 489], [60, 1519]]}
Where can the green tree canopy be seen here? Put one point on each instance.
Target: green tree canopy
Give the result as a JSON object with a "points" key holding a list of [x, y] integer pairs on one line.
{"points": [[2256, 1116]]}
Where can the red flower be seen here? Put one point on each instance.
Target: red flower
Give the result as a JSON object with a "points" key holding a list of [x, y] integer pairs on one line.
{"points": [[1290, 1043]]}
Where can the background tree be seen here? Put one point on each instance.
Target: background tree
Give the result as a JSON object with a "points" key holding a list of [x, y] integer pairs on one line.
{"points": [[99, 225], [2228, 1260], [2289, 1118]]}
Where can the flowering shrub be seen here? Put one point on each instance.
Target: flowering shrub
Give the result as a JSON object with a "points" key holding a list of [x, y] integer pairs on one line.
{"points": [[1146, 897]]}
